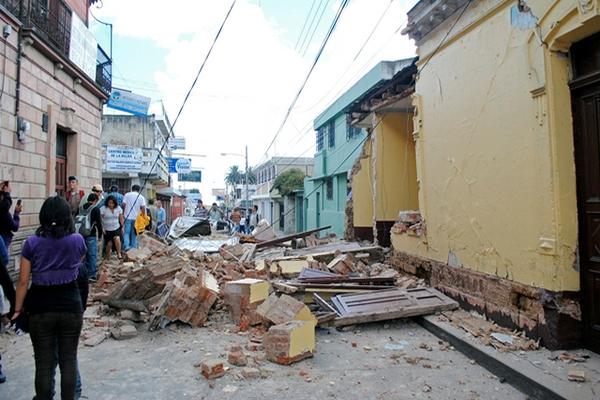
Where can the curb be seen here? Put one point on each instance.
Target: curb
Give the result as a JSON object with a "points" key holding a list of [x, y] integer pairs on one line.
{"points": [[518, 378]]}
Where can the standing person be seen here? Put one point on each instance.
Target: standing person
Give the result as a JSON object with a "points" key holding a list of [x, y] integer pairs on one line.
{"points": [[236, 217], [243, 221], [3, 265], [8, 224], [112, 222], [161, 216], [97, 189], [152, 209], [215, 214], [114, 192], [254, 218], [74, 196], [200, 211], [91, 233], [51, 260], [133, 204]]}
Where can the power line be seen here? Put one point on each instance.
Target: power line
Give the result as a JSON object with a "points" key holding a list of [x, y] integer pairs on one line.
{"points": [[315, 29], [310, 25], [317, 57], [373, 30], [184, 102], [304, 25]]}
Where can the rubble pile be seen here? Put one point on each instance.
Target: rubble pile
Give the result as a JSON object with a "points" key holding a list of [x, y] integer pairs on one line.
{"points": [[275, 290]]}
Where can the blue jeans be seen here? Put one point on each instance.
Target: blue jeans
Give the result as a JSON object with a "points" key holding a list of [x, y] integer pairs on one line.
{"points": [[130, 238], [78, 387], [91, 256]]}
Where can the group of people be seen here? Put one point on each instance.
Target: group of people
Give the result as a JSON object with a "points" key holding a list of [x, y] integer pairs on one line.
{"points": [[56, 265], [241, 223]]}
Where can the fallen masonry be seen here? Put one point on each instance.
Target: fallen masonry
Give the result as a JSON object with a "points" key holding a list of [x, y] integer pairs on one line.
{"points": [[275, 294]]}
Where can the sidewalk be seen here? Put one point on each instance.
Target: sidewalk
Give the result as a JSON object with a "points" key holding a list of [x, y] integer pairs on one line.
{"points": [[541, 374]]}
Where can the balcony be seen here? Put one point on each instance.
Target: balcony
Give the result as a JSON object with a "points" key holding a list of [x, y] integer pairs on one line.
{"points": [[52, 21], [156, 173]]}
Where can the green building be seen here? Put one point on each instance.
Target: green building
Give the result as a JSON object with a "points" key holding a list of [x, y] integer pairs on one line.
{"points": [[338, 145]]}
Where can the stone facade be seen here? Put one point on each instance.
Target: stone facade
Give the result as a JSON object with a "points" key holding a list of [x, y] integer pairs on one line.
{"points": [[56, 100]]}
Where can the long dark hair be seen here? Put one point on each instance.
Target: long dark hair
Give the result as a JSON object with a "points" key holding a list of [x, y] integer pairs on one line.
{"points": [[55, 219]]}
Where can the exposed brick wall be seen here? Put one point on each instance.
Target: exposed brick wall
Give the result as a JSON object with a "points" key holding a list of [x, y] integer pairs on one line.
{"points": [[552, 317], [30, 165]]}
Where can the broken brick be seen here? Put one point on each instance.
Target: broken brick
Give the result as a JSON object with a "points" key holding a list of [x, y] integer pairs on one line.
{"points": [[212, 369], [290, 342], [285, 309], [244, 296]]}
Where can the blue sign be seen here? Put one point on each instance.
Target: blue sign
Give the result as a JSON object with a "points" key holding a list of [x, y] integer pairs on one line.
{"points": [[180, 165], [193, 176], [129, 102]]}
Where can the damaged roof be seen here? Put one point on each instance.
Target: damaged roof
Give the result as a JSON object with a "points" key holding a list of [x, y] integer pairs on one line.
{"points": [[370, 82]]}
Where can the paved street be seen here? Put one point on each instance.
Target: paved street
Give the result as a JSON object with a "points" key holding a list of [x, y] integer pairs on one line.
{"points": [[159, 365]]}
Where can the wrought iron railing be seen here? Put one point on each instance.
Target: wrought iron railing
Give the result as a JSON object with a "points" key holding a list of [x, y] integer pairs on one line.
{"points": [[51, 20]]}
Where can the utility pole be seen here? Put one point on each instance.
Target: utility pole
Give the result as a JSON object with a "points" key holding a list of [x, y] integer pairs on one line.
{"points": [[246, 188]]}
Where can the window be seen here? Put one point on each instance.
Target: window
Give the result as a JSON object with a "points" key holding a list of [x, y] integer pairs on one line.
{"points": [[329, 184], [331, 134], [352, 131], [320, 134]]}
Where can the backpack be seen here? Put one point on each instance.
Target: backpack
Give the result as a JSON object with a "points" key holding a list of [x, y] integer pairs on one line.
{"points": [[83, 221]]}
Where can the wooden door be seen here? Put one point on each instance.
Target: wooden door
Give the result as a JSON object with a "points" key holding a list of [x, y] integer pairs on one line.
{"points": [[585, 93], [61, 163]]}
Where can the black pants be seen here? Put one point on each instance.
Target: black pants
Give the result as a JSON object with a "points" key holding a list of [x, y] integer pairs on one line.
{"points": [[8, 288], [45, 331]]}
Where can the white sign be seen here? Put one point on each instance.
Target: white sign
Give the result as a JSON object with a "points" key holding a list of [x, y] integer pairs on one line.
{"points": [[129, 102], [83, 48], [183, 166], [123, 159], [177, 143]]}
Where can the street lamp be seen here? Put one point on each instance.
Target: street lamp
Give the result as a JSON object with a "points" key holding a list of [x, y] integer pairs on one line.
{"points": [[246, 199]]}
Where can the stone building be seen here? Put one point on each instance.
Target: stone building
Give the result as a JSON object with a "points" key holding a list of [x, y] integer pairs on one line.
{"points": [[55, 80], [141, 139]]}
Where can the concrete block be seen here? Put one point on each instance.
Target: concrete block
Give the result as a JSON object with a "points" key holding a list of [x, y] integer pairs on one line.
{"points": [[290, 342], [243, 296], [284, 309], [124, 332], [212, 369]]}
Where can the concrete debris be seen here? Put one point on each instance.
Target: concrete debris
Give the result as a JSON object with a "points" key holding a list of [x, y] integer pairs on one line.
{"points": [[237, 357], [251, 373], [290, 342], [124, 332], [488, 333], [342, 264], [279, 310], [244, 296], [576, 375]]}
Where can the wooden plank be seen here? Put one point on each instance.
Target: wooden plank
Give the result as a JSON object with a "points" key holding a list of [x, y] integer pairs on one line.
{"points": [[347, 279], [324, 304], [389, 304], [284, 287], [290, 237], [311, 273]]}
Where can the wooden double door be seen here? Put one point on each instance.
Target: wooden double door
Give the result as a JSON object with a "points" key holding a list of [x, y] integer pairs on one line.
{"points": [[585, 97]]}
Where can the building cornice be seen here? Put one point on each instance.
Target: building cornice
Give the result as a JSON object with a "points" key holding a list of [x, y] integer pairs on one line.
{"points": [[427, 15]]}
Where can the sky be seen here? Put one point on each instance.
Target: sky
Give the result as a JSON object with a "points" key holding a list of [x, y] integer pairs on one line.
{"points": [[256, 68]]}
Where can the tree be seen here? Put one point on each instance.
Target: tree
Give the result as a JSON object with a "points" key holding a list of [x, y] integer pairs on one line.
{"points": [[251, 177], [289, 181], [234, 176]]}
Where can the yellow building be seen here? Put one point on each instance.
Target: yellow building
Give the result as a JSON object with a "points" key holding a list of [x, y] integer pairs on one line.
{"points": [[506, 116], [384, 177]]}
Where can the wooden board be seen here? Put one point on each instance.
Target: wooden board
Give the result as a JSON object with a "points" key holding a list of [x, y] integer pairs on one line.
{"points": [[383, 305]]}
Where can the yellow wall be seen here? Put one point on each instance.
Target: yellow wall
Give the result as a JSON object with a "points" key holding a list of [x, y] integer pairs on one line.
{"points": [[396, 172], [495, 145]]}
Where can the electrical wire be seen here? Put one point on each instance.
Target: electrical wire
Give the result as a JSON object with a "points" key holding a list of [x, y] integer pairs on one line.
{"points": [[184, 103], [310, 25], [316, 60], [304, 25], [315, 29]]}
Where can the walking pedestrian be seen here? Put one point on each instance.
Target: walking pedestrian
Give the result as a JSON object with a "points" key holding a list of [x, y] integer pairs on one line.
{"points": [[89, 224], [112, 222], [3, 263], [254, 218], [51, 260], [236, 217], [161, 217], [8, 224], [133, 204]]}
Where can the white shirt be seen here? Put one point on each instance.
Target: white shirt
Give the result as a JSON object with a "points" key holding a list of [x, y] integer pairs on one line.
{"points": [[133, 201], [110, 218]]}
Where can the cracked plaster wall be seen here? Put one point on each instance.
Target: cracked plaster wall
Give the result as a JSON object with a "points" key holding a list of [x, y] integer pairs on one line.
{"points": [[495, 145]]}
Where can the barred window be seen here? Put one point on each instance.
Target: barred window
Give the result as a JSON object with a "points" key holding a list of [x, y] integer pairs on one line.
{"points": [[331, 134], [329, 188], [320, 135], [352, 131]]}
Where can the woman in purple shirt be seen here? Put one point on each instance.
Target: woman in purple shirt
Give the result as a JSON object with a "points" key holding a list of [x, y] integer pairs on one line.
{"points": [[51, 260]]}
